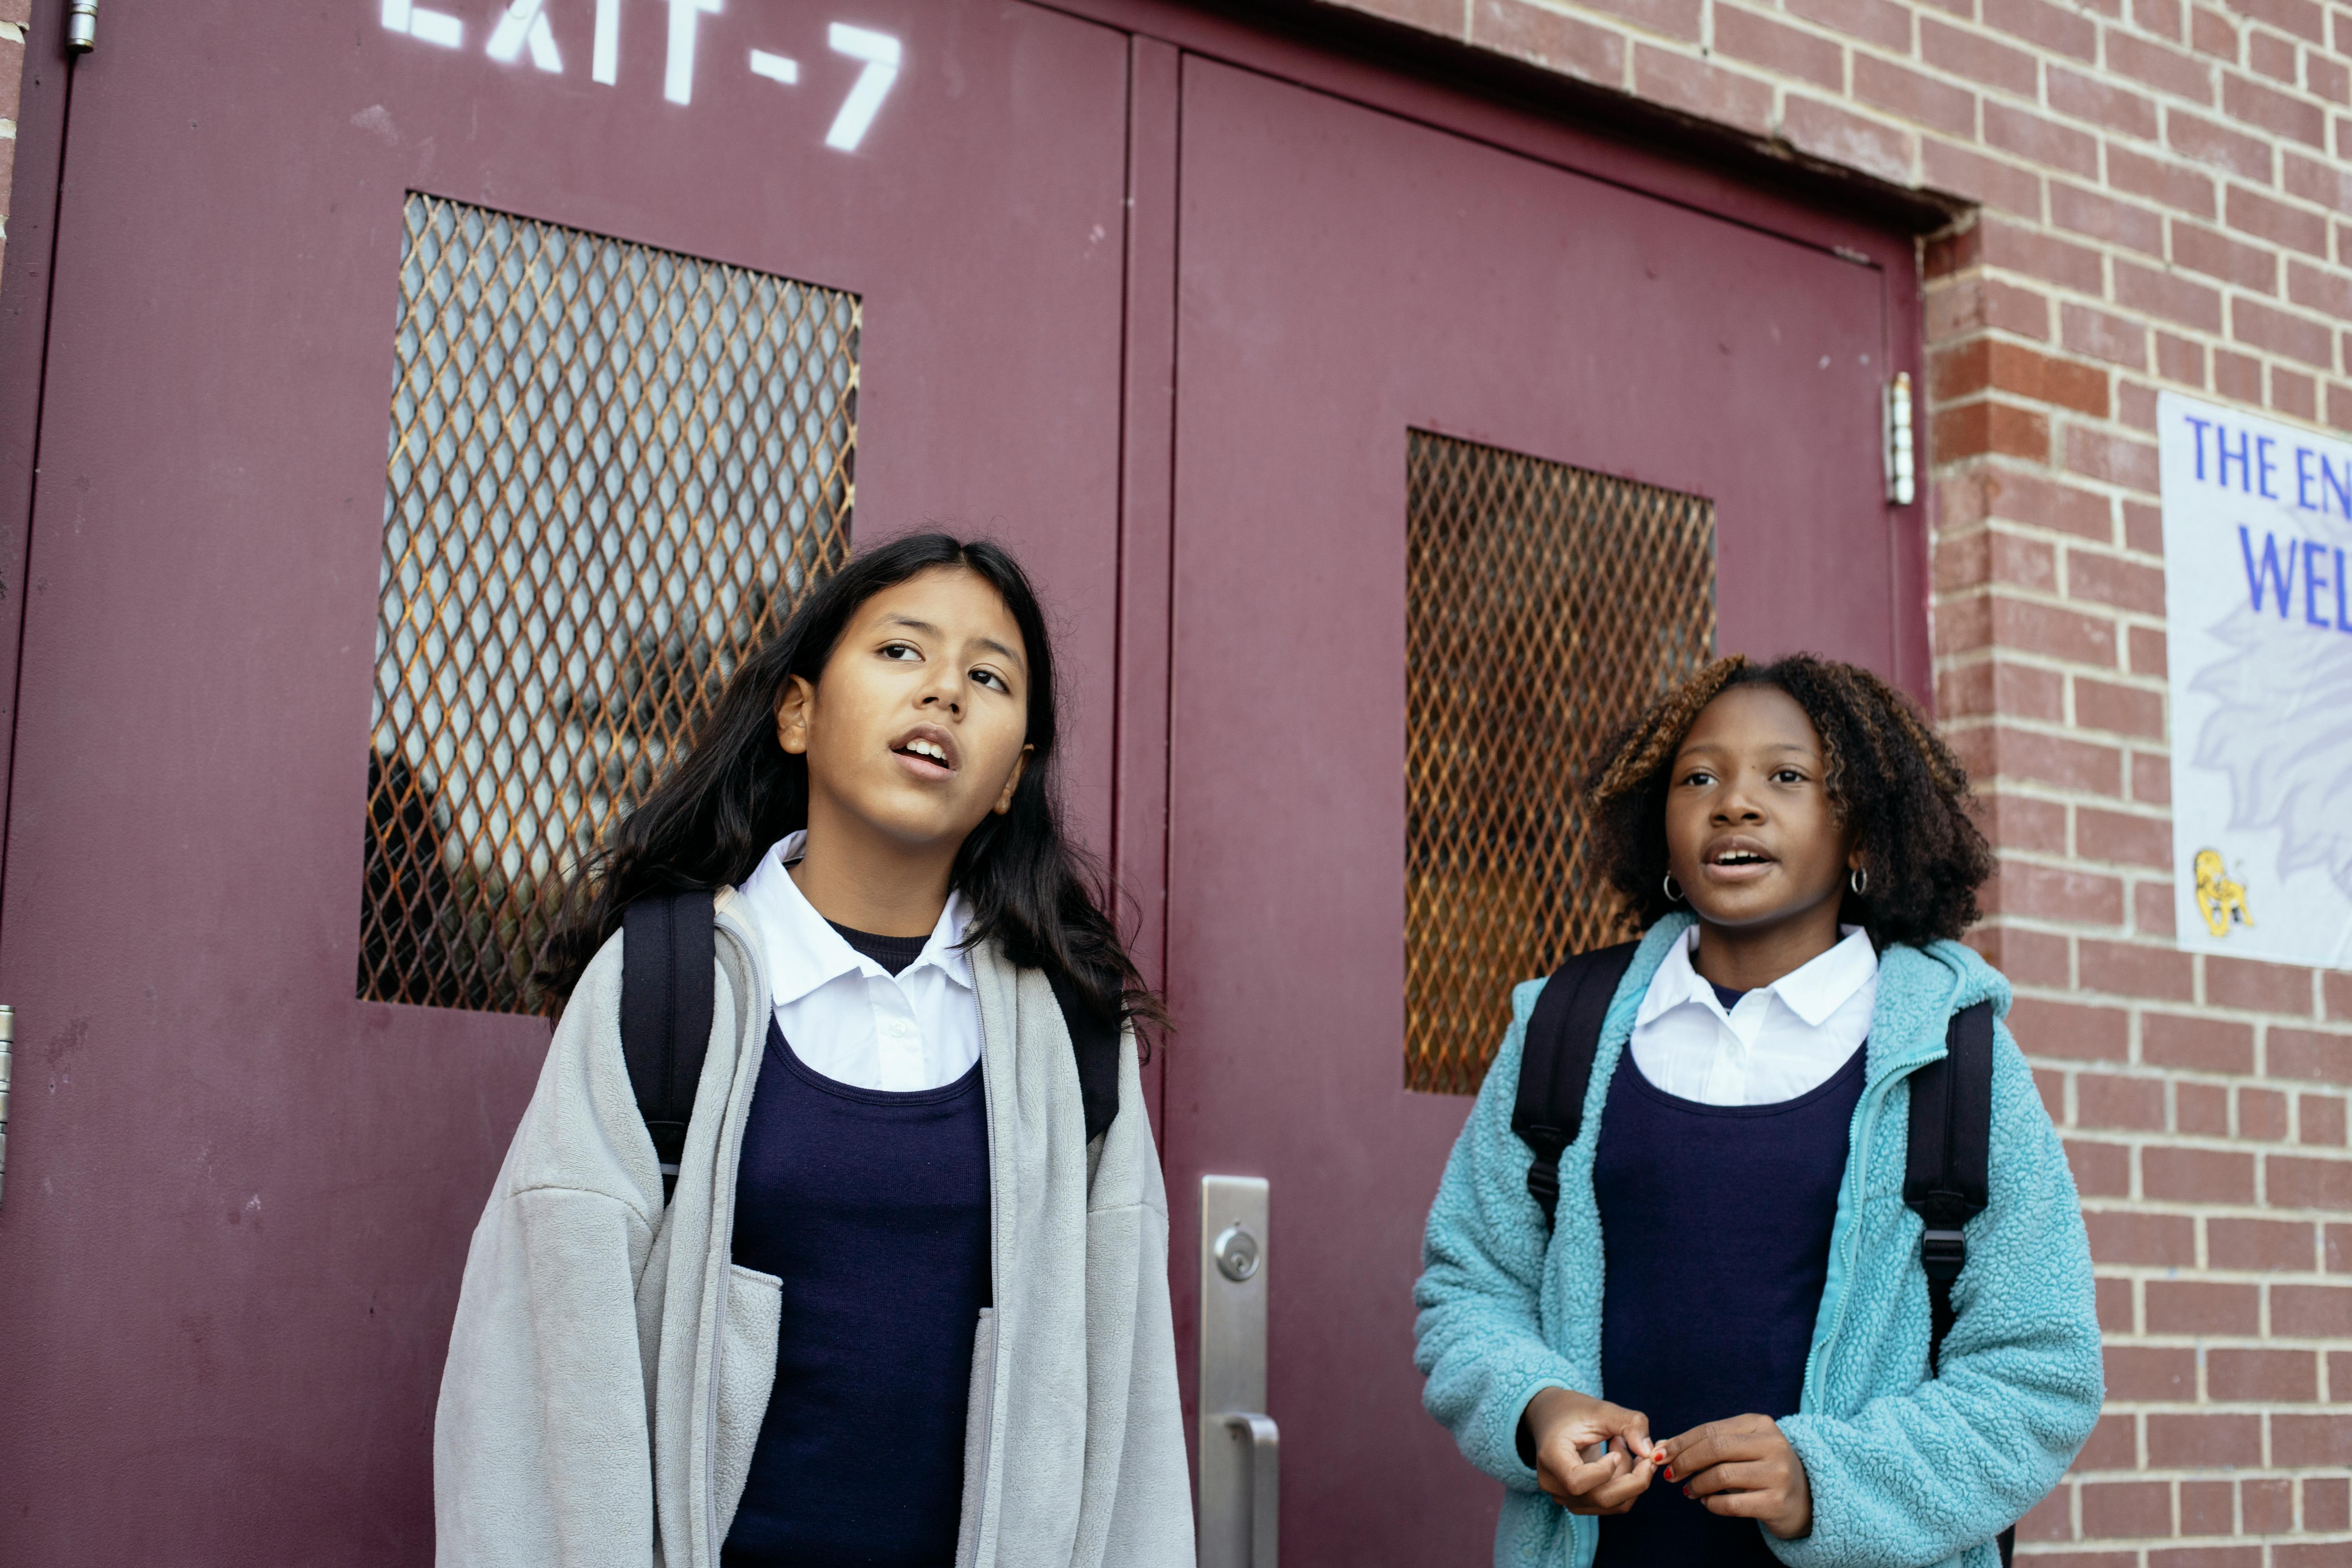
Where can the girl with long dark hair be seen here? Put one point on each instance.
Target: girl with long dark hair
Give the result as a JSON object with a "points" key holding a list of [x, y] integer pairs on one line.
{"points": [[905, 1306]]}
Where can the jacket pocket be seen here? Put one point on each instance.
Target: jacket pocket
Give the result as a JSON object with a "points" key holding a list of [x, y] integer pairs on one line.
{"points": [[747, 1375], [976, 1415]]}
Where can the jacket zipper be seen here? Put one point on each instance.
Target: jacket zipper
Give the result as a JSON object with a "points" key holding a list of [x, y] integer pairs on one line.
{"points": [[717, 1321], [996, 1317], [1857, 1161]]}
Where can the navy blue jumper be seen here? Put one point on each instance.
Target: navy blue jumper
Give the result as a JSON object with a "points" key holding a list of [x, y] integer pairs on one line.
{"points": [[1715, 1227], [873, 1209]]}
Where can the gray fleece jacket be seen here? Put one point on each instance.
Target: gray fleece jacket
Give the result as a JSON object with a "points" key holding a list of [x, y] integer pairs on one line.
{"points": [[611, 1362]]}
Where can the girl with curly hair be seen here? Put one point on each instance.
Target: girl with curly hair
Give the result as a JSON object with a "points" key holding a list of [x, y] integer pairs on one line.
{"points": [[1720, 1352]]}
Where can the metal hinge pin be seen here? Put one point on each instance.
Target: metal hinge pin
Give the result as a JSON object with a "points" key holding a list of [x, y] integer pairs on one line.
{"points": [[1902, 479]]}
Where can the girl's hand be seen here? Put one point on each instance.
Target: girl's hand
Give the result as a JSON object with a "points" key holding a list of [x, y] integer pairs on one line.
{"points": [[1591, 1456], [1743, 1468]]}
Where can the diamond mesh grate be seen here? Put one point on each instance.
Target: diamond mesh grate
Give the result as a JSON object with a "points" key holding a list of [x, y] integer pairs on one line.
{"points": [[614, 470], [1545, 606]]}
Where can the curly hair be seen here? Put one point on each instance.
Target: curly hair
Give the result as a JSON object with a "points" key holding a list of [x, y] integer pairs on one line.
{"points": [[1890, 777]]}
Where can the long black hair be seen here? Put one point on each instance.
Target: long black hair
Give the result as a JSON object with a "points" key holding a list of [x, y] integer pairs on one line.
{"points": [[738, 791]]}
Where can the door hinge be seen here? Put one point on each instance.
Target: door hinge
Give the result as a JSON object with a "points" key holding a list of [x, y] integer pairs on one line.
{"points": [[81, 26], [1902, 483]]}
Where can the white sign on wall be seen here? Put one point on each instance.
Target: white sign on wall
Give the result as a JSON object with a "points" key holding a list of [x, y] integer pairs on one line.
{"points": [[2257, 543]]}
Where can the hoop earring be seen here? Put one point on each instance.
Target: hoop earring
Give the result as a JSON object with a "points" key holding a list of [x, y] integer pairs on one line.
{"points": [[1674, 891], [1859, 880]]}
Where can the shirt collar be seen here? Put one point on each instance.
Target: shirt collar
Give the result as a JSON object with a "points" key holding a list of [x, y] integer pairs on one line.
{"points": [[804, 950], [1675, 982], [1812, 991]]}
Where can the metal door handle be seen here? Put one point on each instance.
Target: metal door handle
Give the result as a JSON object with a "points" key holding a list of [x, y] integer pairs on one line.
{"points": [[1265, 1492], [1241, 1451]]}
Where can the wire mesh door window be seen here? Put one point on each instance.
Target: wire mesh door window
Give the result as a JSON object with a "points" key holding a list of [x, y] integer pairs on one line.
{"points": [[614, 470], [1547, 606]]}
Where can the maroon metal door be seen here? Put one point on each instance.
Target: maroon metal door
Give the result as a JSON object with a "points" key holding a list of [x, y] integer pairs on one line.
{"points": [[237, 1198], [1349, 275]]}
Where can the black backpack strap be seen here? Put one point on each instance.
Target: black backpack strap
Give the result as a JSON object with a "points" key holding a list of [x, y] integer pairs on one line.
{"points": [[1949, 1158], [1094, 1040], [1949, 1169], [1555, 1062], [668, 947]]}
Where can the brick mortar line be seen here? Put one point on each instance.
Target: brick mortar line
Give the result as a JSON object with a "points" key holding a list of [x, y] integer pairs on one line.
{"points": [[2172, 1341], [2242, 1541], [2208, 1142], [2191, 1209], [1966, 660], [2048, 534], [1997, 780], [2171, 1475], [2138, 810], [2187, 1008], [2147, 745], [2059, 596], [2133, 680], [2062, 293], [2088, 865], [2211, 1010], [2033, 658], [2108, 1136], [2137, 1072], [2210, 1273]]}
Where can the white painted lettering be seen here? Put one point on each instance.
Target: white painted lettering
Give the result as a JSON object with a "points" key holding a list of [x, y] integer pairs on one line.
{"points": [[525, 25], [525, 22], [880, 53], [432, 27], [607, 66], [677, 79]]}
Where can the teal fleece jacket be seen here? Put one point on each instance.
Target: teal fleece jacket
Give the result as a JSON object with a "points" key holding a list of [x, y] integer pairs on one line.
{"points": [[1905, 1469]]}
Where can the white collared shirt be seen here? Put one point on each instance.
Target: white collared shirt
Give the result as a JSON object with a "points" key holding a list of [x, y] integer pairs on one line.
{"points": [[1781, 1041], [845, 1015]]}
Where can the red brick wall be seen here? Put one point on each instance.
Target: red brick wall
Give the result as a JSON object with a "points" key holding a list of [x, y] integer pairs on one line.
{"points": [[2160, 201]]}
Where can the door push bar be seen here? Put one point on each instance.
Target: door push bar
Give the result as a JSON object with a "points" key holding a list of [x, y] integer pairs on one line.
{"points": [[1240, 1449]]}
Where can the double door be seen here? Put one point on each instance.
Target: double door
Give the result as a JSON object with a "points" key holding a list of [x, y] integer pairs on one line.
{"points": [[657, 308]]}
